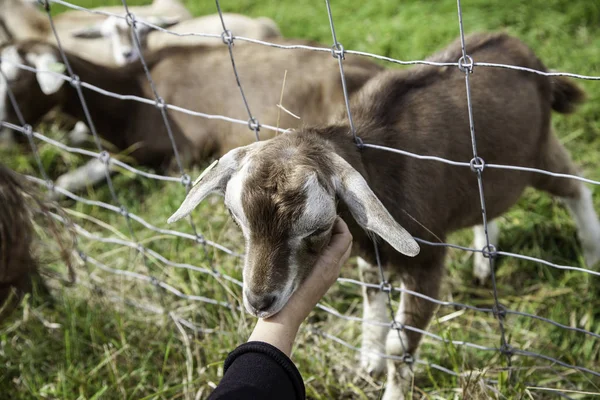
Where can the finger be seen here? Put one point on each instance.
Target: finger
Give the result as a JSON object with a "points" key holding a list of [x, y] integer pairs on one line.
{"points": [[340, 238], [339, 226], [346, 254]]}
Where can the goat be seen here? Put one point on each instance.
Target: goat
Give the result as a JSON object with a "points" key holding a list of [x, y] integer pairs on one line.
{"points": [[118, 32], [23, 21], [198, 78], [17, 263], [283, 192]]}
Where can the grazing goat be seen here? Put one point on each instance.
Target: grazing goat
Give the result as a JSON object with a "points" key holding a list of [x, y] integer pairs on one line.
{"points": [[23, 20], [17, 263], [284, 192], [118, 32], [198, 78]]}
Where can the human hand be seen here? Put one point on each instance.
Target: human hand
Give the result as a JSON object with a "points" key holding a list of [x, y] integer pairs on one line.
{"points": [[323, 276], [280, 330]]}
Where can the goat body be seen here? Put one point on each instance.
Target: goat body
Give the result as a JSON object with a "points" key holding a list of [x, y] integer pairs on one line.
{"points": [[17, 264], [200, 79], [283, 192], [180, 33], [240, 25]]}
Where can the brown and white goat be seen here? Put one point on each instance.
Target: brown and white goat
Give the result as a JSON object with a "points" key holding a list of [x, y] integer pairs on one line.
{"points": [[197, 78], [23, 20], [284, 192], [118, 32]]}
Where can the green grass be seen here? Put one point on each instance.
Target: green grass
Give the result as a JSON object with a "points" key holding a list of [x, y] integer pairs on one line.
{"points": [[82, 345]]}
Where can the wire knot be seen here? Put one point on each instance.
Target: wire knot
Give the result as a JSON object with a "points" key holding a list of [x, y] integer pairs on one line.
{"points": [[489, 251], [50, 185], [465, 64], [45, 4], [477, 164], [253, 124], [82, 255], [130, 19], [154, 281], [396, 326], [159, 103], [227, 37], [104, 157], [506, 349], [186, 180], [123, 211], [75, 81], [337, 51], [408, 358], [28, 130], [386, 287], [200, 239], [359, 142], [140, 248], [499, 311]]}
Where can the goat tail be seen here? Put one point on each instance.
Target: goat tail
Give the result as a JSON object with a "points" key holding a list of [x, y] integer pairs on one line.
{"points": [[566, 95]]}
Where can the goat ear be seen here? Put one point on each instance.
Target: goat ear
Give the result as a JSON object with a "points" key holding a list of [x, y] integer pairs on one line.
{"points": [[49, 82], [368, 211], [92, 32], [163, 22], [214, 179]]}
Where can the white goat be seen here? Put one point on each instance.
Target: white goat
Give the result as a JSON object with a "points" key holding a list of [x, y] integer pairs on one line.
{"points": [[118, 32], [284, 192]]}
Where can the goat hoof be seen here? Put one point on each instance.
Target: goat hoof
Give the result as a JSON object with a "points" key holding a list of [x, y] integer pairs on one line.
{"points": [[79, 135], [481, 270], [591, 256], [372, 364], [393, 393]]}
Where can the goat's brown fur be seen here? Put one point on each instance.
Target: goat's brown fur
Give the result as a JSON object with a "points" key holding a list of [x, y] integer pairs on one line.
{"points": [[201, 79], [17, 264], [423, 110]]}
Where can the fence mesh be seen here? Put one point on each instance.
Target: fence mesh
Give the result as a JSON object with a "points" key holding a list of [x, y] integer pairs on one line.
{"points": [[149, 256]]}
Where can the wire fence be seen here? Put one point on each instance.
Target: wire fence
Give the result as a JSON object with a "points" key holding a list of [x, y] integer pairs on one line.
{"points": [[135, 222]]}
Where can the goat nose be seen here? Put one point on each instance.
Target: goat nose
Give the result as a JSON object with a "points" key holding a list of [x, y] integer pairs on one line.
{"points": [[261, 303], [128, 55]]}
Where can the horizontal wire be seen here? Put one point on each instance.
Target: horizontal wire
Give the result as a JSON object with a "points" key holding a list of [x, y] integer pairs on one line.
{"points": [[148, 307], [152, 281], [328, 50], [281, 130], [77, 150], [134, 217], [343, 280], [333, 311]]}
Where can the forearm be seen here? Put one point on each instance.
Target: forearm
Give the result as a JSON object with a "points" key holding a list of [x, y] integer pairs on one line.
{"points": [[277, 332]]}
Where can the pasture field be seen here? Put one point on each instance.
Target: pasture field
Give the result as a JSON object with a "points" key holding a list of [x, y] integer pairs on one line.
{"points": [[85, 343]]}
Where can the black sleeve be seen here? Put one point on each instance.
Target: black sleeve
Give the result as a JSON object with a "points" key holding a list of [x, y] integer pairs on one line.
{"points": [[258, 370]]}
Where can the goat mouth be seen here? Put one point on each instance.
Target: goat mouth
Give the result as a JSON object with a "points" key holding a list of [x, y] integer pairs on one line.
{"points": [[273, 309], [263, 314]]}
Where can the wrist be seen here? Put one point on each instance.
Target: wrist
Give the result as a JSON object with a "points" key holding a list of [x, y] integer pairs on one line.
{"points": [[277, 332]]}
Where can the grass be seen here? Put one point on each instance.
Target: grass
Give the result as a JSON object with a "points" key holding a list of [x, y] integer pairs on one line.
{"points": [[87, 344]]}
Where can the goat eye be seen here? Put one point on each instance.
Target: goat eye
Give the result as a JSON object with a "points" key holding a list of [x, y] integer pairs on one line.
{"points": [[233, 217], [319, 231]]}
